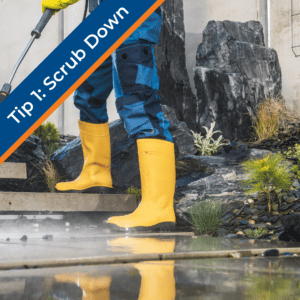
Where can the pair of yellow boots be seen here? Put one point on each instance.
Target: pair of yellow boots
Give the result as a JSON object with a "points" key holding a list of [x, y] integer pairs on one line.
{"points": [[157, 169]]}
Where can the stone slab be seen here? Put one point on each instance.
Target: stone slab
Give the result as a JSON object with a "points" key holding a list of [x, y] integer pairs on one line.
{"points": [[13, 171], [66, 202]]}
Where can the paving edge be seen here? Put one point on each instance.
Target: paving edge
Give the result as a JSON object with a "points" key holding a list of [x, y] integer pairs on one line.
{"points": [[135, 258], [10, 170], [66, 202]]}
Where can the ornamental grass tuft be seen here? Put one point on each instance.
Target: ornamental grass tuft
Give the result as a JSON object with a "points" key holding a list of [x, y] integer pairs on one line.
{"points": [[270, 175], [272, 115], [206, 215]]}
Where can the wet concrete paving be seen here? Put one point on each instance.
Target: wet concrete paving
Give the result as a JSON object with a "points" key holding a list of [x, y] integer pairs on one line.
{"points": [[245, 278]]}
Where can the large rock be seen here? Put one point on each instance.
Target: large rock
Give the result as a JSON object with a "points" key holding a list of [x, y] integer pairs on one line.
{"points": [[219, 177], [125, 168], [291, 226], [234, 73], [31, 152], [175, 89]]}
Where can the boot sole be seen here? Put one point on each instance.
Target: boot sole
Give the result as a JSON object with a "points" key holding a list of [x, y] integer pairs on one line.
{"points": [[160, 227], [91, 190]]}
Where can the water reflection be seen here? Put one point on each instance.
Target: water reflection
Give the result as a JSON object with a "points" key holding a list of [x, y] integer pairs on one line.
{"points": [[234, 279], [91, 287], [157, 278]]}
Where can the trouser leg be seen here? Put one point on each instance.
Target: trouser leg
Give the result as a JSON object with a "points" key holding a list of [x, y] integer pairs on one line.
{"points": [[90, 97], [136, 86]]}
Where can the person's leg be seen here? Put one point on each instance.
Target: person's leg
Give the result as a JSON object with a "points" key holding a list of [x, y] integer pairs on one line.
{"points": [[136, 86], [90, 99]]}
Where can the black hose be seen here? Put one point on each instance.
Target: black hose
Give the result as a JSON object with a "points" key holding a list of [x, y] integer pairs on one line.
{"points": [[85, 9]]}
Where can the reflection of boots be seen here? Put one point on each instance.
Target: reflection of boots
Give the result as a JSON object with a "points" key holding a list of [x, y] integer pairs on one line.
{"points": [[96, 169], [157, 277], [92, 288], [157, 168]]}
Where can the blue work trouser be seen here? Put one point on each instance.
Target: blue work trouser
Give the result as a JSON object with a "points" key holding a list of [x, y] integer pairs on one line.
{"points": [[131, 70]]}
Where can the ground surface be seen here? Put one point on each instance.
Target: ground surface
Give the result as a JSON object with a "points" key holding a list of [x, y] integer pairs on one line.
{"points": [[83, 236]]}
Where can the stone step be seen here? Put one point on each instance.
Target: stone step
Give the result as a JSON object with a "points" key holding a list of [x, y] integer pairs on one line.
{"points": [[13, 171], [66, 202]]}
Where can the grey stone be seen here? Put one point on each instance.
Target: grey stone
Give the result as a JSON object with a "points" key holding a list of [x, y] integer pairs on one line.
{"points": [[31, 152], [296, 184], [231, 236], [23, 238], [274, 219], [262, 207], [48, 237], [234, 73], [226, 218], [285, 207], [296, 206], [253, 211], [221, 232], [125, 168]]}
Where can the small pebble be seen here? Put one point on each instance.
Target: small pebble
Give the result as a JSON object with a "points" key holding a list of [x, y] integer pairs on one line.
{"points": [[47, 237], [23, 238], [271, 252]]}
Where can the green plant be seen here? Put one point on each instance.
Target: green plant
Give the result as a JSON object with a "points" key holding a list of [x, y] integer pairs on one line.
{"points": [[207, 145], [205, 216], [293, 151], [255, 233], [269, 175], [49, 134], [136, 192]]}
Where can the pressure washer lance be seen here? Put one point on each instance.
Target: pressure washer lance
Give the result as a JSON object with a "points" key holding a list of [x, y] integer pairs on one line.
{"points": [[36, 33]]}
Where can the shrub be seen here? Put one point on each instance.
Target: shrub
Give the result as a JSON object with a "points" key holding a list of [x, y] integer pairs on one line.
{"points": [[271, 174], [207, 145], [49, 134], [271, 116], [136, 192], [206, 215], [255, 233], [293, 151]]}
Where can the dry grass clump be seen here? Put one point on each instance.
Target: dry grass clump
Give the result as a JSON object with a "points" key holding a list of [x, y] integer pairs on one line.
{"points": [[273, 117], [50, 174]]}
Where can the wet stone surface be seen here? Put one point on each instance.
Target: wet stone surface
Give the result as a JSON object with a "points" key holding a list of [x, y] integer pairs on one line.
{"points": [[225, 278]]}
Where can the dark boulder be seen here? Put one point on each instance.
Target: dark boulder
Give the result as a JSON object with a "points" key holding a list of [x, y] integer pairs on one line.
{"points": [[175, 89], [291, 224], [234, 73], [31, 152]]}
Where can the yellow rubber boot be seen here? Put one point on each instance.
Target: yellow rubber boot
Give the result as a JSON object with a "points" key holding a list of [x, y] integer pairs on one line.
{"points": [[93, 288], [96, 169], [157, 168]]}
